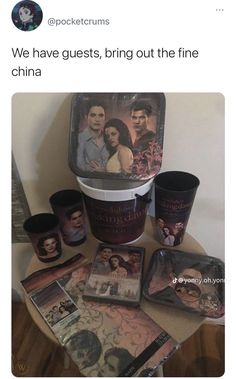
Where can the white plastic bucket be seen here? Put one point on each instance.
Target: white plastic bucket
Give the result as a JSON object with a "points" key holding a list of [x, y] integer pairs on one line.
{"points": [[116, 209]]}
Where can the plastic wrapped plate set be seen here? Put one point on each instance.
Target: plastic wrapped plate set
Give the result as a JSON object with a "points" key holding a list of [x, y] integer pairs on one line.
{"points": [[189, 281], [133, 121]]}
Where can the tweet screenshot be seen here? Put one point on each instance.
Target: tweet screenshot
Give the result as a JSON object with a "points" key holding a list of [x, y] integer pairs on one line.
{"points": [[115, 119]]}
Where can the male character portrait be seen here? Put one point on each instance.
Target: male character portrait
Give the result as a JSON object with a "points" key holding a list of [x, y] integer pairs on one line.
{"points": [[116, 360], [74, 229], [134, 263], [140, 112], [160, 224], [92, 154], [101, 264]]}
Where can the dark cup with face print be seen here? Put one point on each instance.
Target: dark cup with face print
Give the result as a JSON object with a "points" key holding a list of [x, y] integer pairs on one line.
{"points": [[174, 196], [44, 233], [68, 206]]}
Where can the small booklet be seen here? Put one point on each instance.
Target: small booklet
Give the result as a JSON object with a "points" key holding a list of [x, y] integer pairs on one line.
{"points": [[116, 275], [48, 293], [102, 339]]}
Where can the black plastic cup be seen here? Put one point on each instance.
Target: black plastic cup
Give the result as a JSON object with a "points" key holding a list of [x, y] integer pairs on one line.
{"points": [[174, 195], [44, 233], [68, 206]]}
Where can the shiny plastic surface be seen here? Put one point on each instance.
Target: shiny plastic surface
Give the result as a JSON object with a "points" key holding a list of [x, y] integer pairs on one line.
{"points": [[188, 281], [117, 135]]}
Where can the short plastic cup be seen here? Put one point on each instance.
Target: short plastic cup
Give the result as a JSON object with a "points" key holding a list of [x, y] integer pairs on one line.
{"points": [[43, 231]]}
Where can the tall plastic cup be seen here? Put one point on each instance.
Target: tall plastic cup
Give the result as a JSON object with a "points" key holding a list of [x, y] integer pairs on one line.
{"points": [[174, 196], [68, 206]]}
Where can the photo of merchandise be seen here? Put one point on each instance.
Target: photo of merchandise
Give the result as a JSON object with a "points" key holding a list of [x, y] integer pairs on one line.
{"points": [[100, 306]]}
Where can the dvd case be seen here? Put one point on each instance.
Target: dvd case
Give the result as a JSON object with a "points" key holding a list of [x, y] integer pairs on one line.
{"points": [[116, 275]]}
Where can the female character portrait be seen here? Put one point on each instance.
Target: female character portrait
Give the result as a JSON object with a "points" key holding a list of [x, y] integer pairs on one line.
{"points": [[27, 15], [169, 238], [49, 246], [118, 269], [178, 232], [118, 143]]}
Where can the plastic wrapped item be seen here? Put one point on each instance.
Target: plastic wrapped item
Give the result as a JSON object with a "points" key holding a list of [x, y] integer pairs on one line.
{"points": [[188, 281], [102, 339], [116, 275], [117, 135]]}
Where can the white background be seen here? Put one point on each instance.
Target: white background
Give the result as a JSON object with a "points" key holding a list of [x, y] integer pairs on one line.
{"points": [[133, 25]]}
